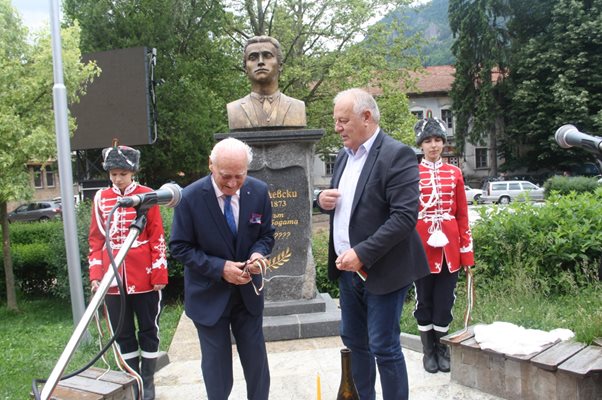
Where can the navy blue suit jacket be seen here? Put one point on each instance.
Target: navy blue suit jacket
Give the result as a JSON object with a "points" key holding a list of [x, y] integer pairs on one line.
{"points": [[382, 226], [200, 239]]}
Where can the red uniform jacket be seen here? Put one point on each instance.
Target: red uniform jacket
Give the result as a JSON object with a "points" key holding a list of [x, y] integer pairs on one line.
{"points": [[443, 208], [145, 264]]}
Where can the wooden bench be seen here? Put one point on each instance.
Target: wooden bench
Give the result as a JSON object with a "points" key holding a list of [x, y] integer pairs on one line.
{"points": [[96, 384], [563, 370]]}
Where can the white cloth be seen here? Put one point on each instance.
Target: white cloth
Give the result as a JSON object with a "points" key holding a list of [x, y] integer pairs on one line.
{"points": [[507, 338]]}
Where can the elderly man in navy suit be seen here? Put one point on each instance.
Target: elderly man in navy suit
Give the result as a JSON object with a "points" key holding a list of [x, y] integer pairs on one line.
{"points": [[222, 226], [374, 249]]}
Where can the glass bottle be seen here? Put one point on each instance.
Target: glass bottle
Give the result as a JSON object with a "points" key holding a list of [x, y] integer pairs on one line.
{"points": [[347, 389]]}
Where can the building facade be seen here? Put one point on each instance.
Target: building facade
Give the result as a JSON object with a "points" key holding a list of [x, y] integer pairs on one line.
{"points": [[431, 99]]}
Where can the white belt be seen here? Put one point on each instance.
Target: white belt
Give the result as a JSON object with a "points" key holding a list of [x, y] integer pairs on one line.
{"points": [[435, 216]]}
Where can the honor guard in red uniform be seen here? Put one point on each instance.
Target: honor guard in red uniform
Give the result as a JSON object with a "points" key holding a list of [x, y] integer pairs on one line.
{"points": [[446, 237], [143, 271]]}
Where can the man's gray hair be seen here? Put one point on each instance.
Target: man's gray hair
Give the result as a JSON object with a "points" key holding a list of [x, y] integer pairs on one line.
{"points": [[362, 101], [230, 144]]}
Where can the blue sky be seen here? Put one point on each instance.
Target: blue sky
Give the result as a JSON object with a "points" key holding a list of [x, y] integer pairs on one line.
{"points": [[34, 13]]}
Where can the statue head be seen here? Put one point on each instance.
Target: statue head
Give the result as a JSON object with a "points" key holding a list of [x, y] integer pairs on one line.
{"points": [[262, 59]]}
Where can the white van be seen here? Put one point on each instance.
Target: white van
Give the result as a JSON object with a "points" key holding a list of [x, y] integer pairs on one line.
{"points": [[503, 192]]}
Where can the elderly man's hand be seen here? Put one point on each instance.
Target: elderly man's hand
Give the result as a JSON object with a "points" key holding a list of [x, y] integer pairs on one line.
{"points": [[234, 273], [257, 264]]}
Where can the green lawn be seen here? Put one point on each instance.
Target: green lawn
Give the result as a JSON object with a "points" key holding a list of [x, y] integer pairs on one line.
{"points": [[33, 339]]}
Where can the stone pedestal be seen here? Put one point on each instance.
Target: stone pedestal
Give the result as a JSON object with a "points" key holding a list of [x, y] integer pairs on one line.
{"points": [[283, 159]]}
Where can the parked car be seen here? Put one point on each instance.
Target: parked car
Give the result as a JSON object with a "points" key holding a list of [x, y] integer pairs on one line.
{"points": [[473, 194], [36, 211], [503, 192]]}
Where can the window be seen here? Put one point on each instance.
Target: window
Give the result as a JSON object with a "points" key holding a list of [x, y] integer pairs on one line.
{"points": [[37, 177], [528, 186], [418, 114], [49, 177], [481, 158], [514, 186], [329, 164], [446, 116]]}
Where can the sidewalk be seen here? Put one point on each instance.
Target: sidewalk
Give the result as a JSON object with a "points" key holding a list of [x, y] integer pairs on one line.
{"points": [[294, 366]]}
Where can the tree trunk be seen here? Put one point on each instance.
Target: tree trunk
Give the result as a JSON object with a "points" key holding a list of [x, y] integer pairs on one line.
{"points": [[11, 294]]}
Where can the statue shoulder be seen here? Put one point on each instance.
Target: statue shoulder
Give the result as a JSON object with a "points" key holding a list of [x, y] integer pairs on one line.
{"points": [[293, 101], [237, 102]]}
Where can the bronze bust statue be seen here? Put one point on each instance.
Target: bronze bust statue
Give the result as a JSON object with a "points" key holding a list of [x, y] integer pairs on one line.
{"points": [[265, 106]]}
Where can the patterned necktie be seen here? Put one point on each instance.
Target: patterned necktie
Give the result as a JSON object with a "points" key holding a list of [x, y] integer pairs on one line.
{"points": [[229, 214]]}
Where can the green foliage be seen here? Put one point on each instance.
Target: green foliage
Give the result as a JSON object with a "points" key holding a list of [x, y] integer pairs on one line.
{"points": [[196, 61], [29, 232], [429, 21], [554, 79], [31, 252], [39, 256], [564, 185], [320, 253], [480, 49], [330, 46], [175, 288], [557, 243], [26, 123], [31, 268]]}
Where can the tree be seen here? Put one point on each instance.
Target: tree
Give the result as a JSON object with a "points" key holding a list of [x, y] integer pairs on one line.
{"points": [[195, 60], [200, 50], [555, 78], [332, 45], [481, 51], [26, 116]]}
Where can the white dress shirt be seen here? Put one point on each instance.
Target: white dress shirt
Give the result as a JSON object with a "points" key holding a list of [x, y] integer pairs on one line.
{"points": [[347, 186]]}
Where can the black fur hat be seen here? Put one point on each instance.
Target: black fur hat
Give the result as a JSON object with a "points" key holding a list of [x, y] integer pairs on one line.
{"points": [[122, 157], [429, 127]]}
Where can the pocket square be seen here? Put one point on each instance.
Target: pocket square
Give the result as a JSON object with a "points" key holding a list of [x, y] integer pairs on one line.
{"points": [[255, 218]]}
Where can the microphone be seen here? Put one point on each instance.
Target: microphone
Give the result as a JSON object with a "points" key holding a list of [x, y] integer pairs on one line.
{"points": [[168, 195], [569, 136]]}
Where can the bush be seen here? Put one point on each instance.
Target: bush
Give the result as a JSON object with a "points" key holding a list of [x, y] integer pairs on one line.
{"points": [[564, 185], [34, 232], [40, 257], [175, 289], [557, 244], [58, 263], [31, 251], [320, 253]]}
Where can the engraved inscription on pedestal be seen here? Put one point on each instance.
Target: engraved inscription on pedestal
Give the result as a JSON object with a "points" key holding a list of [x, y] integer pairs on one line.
{"points": [[288, 193]]}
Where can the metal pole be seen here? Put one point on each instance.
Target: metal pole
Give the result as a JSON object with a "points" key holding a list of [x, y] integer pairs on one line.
{"points": [[65, 171], [80, 329]]}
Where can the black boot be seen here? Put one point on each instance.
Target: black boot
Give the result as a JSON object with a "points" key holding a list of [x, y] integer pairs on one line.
{"points": [[148, 377], [134, 364], [429, 359], [442, 352]]}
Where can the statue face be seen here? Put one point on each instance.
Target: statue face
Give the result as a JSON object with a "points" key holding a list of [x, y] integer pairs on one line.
{"points": [[261, 62]]}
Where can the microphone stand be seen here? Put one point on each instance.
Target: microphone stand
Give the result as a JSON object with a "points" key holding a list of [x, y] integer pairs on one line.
{"points": [[135, 229]]}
